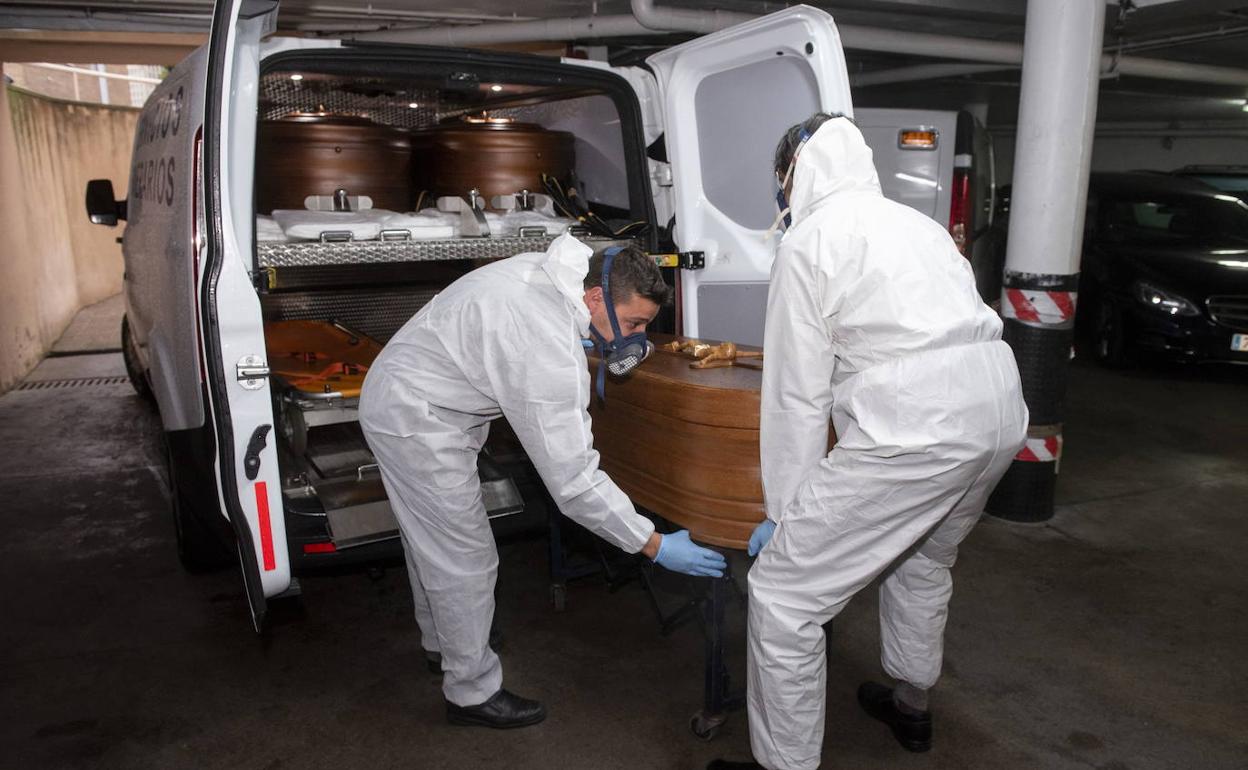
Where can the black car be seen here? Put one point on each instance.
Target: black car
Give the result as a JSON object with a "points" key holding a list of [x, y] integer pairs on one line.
{"points": [[1229, 179], [1165, 270]]}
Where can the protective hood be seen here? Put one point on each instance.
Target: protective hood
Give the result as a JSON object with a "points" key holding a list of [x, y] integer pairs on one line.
{"points": [[835, 160], [567, 264]]}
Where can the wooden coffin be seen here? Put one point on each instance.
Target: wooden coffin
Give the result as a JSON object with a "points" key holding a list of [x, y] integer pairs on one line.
{"points": [[318, 358], [683, 443]]}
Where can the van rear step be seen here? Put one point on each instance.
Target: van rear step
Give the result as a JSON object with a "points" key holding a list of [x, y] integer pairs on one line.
{"points": [[359, 513]]}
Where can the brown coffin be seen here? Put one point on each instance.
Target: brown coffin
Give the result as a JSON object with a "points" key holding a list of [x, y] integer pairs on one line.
{"points": [[492, 158], [683, 443], [315, 154]]}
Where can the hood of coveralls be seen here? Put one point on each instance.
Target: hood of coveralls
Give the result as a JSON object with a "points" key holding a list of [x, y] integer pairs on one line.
{"points": [[567, 264], [834, 161]]}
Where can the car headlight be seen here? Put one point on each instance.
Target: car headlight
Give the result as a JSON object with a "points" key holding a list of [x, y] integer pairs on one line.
{"points": [[1163, 301]]}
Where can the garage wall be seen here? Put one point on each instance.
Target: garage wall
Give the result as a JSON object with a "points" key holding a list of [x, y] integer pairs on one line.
{"points": [[1165, 152], [1158, 149], [52, 260]]}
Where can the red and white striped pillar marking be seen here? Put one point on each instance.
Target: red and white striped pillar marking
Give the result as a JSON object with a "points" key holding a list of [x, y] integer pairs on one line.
{"points": [[1039, 308], [1042, 449]]}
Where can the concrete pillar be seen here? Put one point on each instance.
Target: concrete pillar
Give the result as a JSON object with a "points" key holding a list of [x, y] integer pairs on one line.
{"points": [[1053, 152]]}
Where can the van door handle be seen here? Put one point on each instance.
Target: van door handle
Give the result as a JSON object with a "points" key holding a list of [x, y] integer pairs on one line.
{"points": [[251, 460]]}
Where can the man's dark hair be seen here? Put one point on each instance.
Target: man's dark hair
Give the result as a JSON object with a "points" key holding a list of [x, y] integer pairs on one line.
{"points": [[632, 272], [793, 137]]}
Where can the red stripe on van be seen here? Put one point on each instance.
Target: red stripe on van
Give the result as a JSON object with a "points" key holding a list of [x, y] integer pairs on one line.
{"points": [[266, 526]]}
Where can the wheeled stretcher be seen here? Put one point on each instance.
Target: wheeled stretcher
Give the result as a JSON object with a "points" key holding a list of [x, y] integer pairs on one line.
{"points": [[318, 371]]}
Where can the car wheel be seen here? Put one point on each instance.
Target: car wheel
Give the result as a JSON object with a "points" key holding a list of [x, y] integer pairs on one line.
{"points": [[199, 548], [129, 355], [1109, 341]]}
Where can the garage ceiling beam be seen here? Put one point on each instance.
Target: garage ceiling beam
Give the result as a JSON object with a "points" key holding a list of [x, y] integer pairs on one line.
{"points": [[97, 47], [922, 72]]}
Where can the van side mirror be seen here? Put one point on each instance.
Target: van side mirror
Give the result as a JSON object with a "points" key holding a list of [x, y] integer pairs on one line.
{"points": [[103, 208]]}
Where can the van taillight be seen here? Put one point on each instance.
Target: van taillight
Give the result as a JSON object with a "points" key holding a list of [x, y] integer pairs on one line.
{"points": [[960, 209]]}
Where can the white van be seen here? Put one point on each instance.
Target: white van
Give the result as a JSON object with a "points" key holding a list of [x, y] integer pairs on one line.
{"points": [[941, 163], [280, 476]]}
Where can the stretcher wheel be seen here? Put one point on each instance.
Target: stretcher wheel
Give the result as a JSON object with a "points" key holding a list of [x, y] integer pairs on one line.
{"points": [[559, 597], [295, 428], [707, 726]]}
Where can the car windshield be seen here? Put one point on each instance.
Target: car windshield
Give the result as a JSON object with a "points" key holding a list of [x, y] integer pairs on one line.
{"points": [[1232, 183], [1175, 219]]}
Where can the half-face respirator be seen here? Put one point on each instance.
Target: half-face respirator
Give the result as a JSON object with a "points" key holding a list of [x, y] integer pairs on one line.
{"points": [[621, 354]]}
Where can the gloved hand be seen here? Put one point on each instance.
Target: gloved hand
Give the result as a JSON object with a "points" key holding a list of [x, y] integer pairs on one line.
{"points": [[679, 554], [761, 536]]}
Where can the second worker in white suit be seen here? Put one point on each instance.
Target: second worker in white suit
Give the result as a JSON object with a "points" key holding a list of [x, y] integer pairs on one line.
{"points": [[507, 339], [874, 322]]}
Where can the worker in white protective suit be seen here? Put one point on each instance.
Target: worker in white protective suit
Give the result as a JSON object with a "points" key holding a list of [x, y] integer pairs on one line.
{"points": [[507, 339], [873, 321]]}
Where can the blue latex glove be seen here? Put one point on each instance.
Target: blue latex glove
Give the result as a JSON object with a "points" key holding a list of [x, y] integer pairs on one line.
{"points": [[761, 536], [679, 554]]}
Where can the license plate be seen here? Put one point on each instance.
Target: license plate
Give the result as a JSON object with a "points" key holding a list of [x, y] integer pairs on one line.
{"points": [[1239, 342]]}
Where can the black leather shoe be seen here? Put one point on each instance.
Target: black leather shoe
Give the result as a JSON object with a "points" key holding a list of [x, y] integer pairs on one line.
{"points": [[723, 764], [503, 710], [912, 731]]}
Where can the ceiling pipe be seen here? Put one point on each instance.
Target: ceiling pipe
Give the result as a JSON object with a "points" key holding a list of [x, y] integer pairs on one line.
{"points": [[649, 18], [921, 72], [947, 46], [667, 19]]}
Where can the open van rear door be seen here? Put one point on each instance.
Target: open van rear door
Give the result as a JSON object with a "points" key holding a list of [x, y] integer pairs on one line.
{"points": [[727, 100], [232, 330]]}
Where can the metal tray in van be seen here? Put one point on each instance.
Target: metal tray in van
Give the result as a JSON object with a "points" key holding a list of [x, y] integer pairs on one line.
{"points": [[316, 254]]}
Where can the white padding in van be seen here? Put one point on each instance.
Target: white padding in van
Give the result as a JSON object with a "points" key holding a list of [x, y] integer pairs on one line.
{"points": [[267, 229], [366, 225], [309, 225], [509, 224], [427, 225]]}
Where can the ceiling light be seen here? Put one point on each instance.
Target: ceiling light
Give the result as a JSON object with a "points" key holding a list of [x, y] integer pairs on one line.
{"points": [[496, 88], [412, 105], [296, 77]]}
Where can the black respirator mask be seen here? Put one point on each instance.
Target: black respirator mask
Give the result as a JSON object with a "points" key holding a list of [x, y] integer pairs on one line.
{"points": [[622, 354]]}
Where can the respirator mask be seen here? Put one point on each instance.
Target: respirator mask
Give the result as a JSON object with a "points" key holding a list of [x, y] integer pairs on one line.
{"points": [[622, 354], [782, 203]]}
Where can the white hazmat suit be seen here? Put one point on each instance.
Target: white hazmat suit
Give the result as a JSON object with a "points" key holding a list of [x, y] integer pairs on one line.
{"points": [[873, 320], [503, 340]]}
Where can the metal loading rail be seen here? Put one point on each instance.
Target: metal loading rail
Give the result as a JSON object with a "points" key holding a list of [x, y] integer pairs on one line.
{"points": [[707, 605]]}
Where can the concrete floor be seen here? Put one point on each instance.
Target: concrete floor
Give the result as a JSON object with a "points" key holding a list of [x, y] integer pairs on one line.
{"points": [[1112, 637]]}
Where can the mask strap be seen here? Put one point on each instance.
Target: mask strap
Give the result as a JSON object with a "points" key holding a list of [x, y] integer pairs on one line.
{"points": [[775, 225], [600, 386], [609, 258], [803, 138]]}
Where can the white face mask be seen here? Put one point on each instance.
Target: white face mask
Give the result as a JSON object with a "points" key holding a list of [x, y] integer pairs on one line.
{"points": [[782, 202]]}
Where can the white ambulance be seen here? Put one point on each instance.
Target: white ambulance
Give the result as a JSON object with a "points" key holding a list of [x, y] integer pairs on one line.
{"points": [[676, 156]]}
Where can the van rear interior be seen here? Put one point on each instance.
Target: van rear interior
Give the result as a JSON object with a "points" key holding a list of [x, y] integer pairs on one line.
{"points": [[464, 163]]}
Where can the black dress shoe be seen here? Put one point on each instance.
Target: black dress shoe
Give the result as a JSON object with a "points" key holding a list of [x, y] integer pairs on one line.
{"points": [[912, 731], [723, 764], [503, 710]]}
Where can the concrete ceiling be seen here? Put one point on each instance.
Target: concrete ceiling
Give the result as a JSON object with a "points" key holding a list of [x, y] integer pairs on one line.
{"points": [[1199, 31]]}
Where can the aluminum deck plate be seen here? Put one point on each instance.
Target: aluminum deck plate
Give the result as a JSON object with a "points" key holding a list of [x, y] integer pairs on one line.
{"points": [[314, 254]]}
